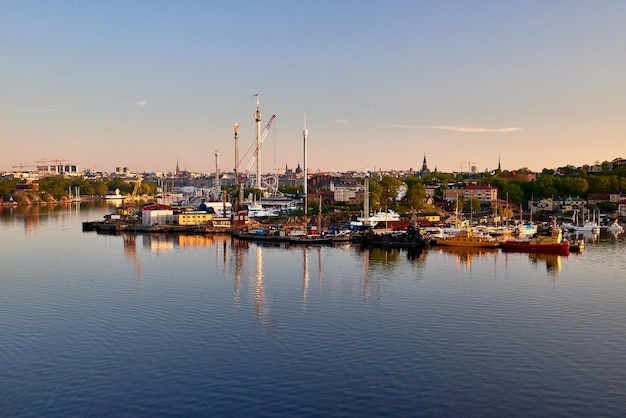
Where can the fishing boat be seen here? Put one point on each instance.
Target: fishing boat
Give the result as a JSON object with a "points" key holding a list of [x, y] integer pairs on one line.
{"points": [[465, 238], [549, 240]]}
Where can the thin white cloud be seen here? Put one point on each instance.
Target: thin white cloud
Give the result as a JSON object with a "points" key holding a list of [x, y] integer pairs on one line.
{"points": [[141, 103], [472, 129], [341, 121]]}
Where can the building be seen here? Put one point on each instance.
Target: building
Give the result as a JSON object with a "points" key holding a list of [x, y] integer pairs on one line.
{"points": [[617, 163], [345, 193], [157, 215], [595, 198], [570, 204], [485, 193], [621, 207], [431, 217]]}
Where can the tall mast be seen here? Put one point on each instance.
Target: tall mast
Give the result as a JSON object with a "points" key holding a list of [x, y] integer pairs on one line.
{"points": [[217, 170], [237, 172], [305, 133], [257, 119]]}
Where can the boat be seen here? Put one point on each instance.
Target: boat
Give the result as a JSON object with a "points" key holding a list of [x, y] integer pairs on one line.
{"points": [[256, 210], [525, 229], [615, 227], [465, 238], [412, 237], [310, 239], [547, 240], [378, 217], [577, 245], [114, 196], [262, 235], [76, 196], [343, 236], [589, 226]]}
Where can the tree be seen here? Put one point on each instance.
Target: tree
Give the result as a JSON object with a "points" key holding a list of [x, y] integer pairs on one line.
{"points": [[514, 192], [390, 187], [376, 191], [474, 205], [416, 195]]}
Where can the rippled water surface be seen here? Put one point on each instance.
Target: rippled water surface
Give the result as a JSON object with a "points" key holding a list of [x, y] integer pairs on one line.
{"points": [[156, 325]]}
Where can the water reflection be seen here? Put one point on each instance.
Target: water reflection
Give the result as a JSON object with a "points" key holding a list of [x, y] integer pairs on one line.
{"points": [[465, 256], [553, 262], [130, 251]]}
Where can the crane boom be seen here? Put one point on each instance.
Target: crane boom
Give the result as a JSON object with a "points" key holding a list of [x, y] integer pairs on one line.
{"points": [[256, 151]]}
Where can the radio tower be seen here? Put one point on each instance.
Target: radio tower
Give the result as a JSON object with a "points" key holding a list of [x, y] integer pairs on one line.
{"points": [[257, 119]]}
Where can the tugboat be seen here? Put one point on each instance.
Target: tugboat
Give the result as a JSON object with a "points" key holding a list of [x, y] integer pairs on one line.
{"points": [[465, 238], [548, 240]]}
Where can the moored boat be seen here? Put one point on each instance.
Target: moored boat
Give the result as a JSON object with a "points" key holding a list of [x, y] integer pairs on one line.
{"points": [[412, 237], [311, 239], [549, 240], [465, 238], [615, 227]]}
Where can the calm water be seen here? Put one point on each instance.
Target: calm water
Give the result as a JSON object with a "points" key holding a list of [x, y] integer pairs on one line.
{"points": [[205, 326]]}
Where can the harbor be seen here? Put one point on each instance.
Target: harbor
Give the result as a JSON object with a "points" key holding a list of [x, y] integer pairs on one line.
{"points": [[276, 326]]}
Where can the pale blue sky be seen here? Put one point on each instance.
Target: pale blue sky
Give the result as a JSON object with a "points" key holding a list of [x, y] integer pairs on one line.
{"points": [[146, 83]]}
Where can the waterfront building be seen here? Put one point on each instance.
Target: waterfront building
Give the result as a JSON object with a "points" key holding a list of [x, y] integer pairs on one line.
{"points": [[194, 218], [157, 214]]}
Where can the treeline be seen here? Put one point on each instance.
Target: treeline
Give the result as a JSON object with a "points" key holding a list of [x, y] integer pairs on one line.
{"points": [[574, 183], [59, 187]]}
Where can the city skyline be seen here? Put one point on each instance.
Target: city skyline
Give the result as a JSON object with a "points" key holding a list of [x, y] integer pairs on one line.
{"points": [[383, 84]]}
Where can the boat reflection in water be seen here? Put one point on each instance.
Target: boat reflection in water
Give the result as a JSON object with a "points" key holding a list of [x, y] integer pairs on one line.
{"points": [[466, 254], [553, 262]]}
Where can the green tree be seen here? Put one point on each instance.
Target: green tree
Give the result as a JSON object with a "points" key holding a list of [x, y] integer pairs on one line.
{"points": [[514, 192], [390, 188], [416, 194], [473, 205], [376, 191]]}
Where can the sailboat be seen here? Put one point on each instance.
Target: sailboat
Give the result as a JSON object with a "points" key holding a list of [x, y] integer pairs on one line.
{"points": [[76, 196]]}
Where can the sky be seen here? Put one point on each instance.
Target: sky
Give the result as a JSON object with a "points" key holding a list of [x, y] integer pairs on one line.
{"points": [[146, 84]]}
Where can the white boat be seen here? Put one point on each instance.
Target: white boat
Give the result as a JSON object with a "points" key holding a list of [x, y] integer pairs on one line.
{"points": [[256, 210], [588, 226], [114, 196], [615, 227], [378, 217]]}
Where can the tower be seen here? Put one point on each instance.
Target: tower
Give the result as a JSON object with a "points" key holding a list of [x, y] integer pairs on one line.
{"points": [[257, 119], [305, 133], [424, 171]]}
